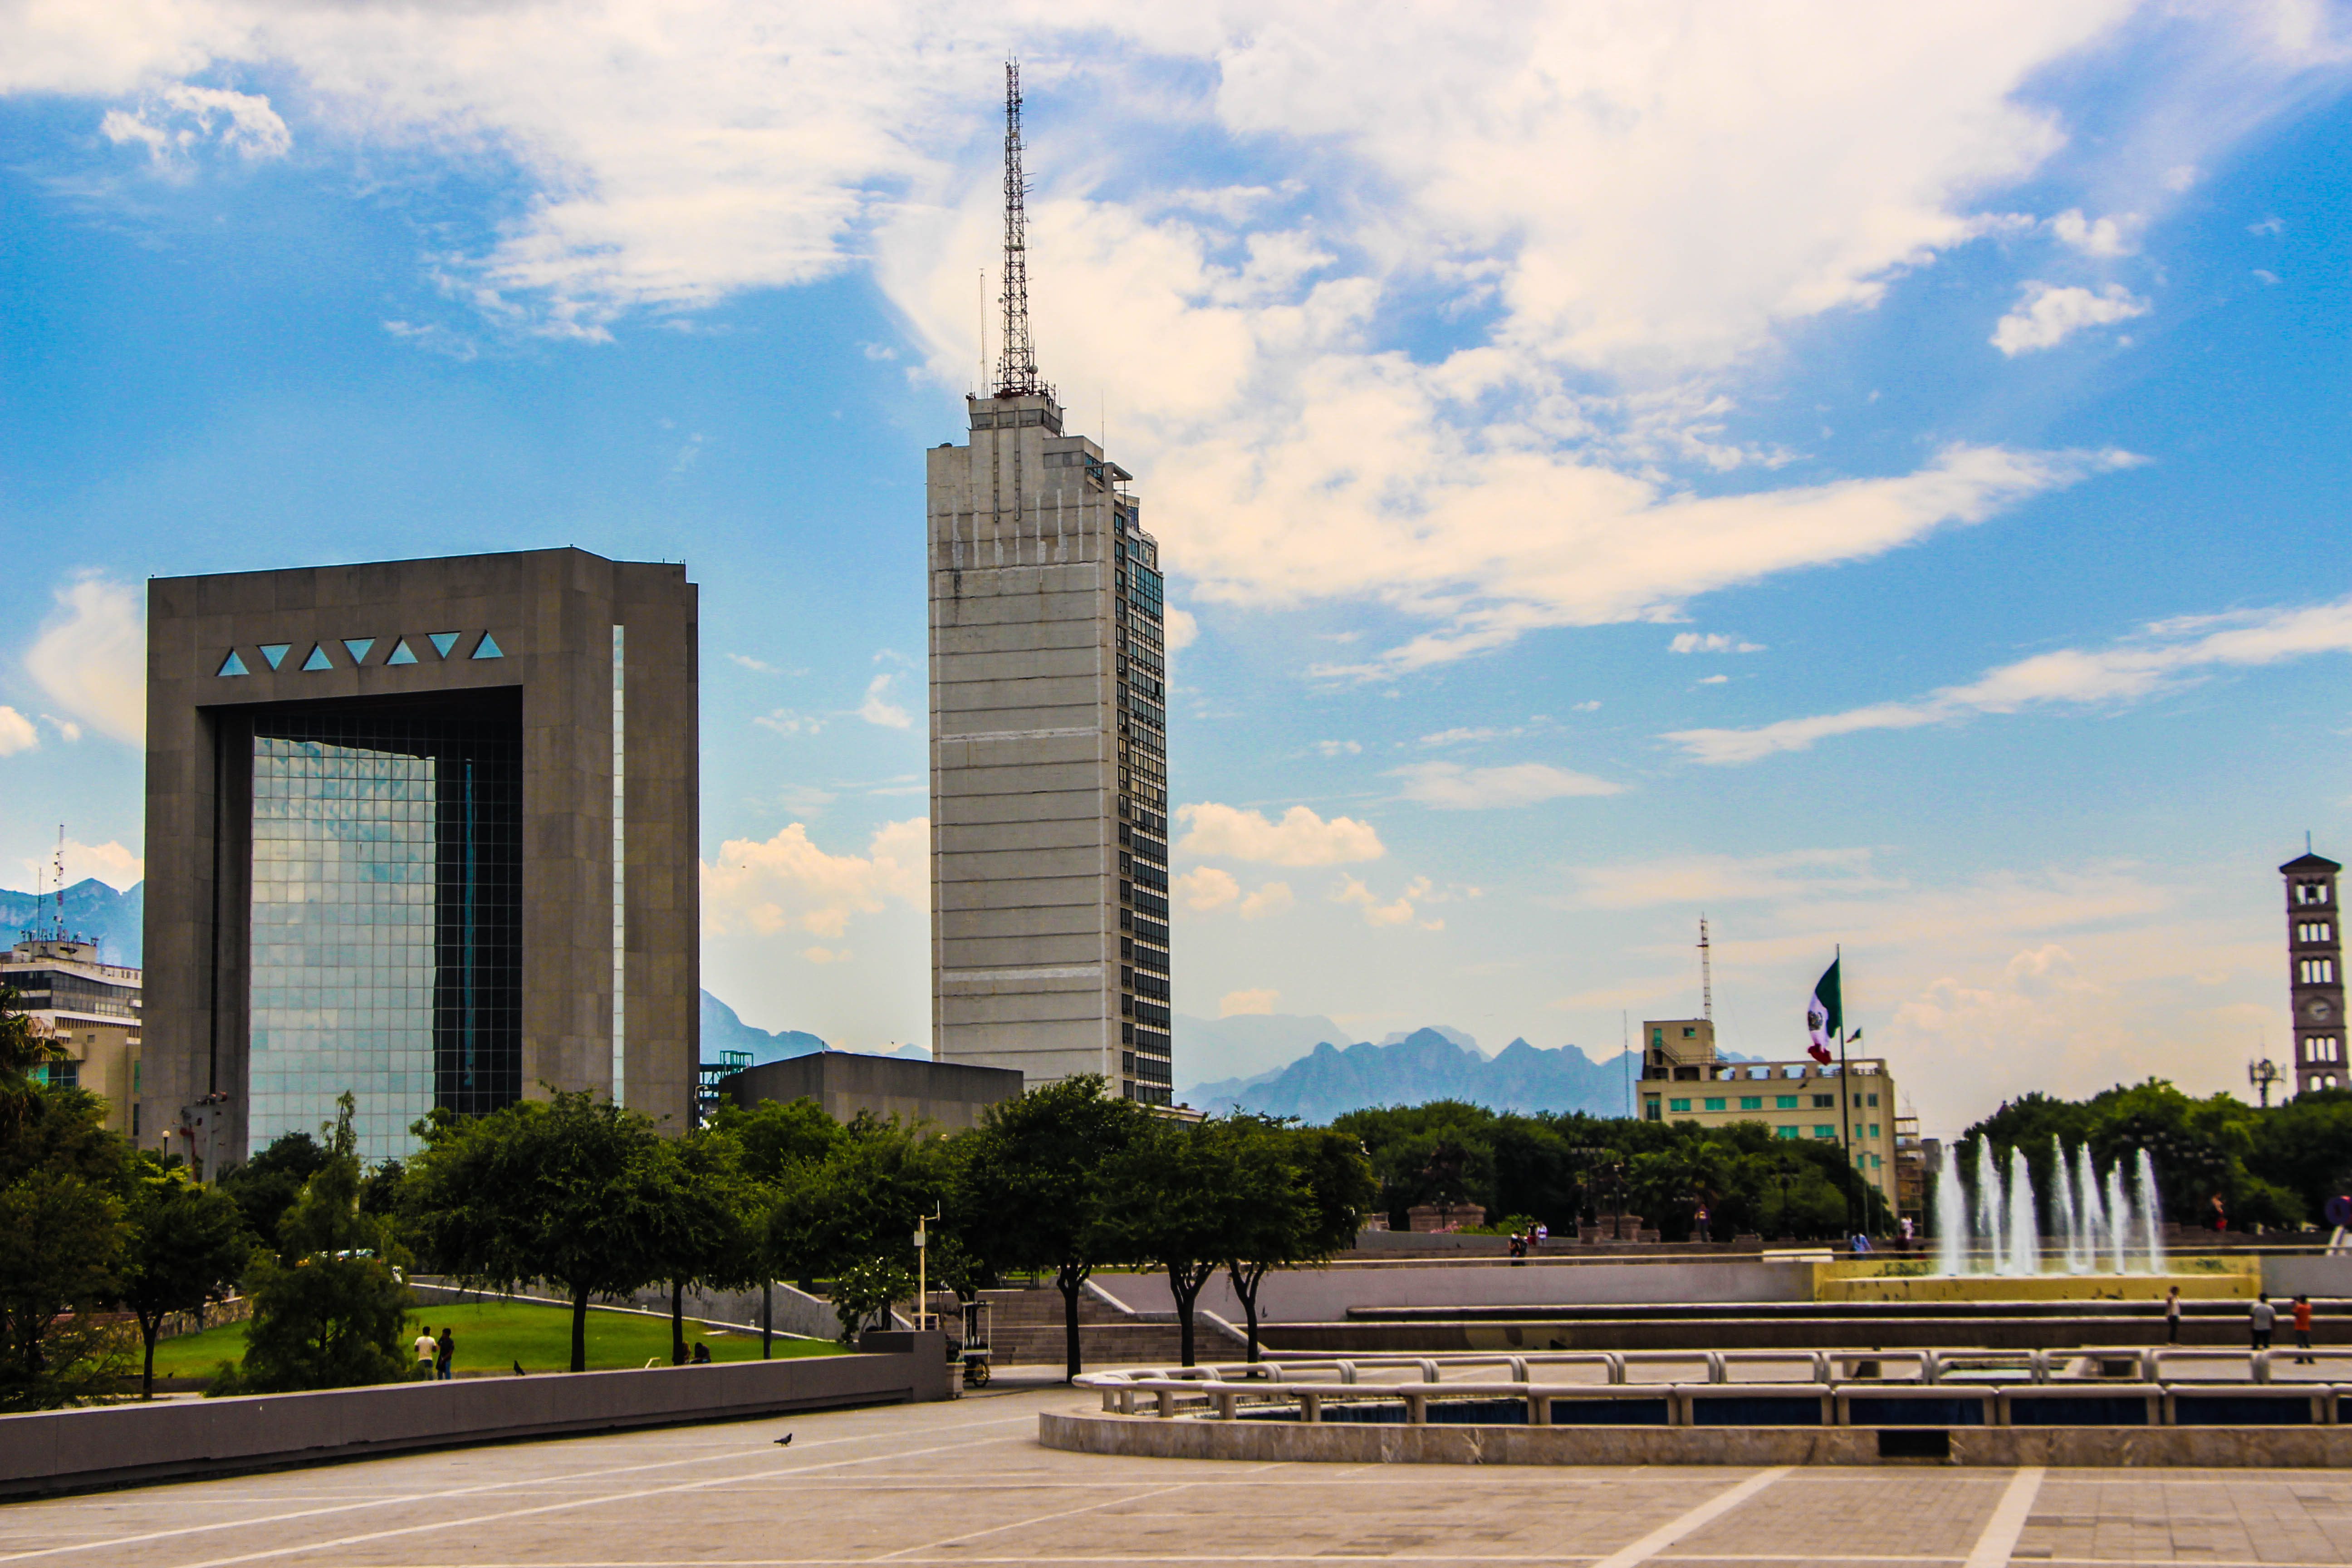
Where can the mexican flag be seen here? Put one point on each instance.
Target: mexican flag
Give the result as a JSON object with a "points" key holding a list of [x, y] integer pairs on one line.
{"points": [[1824, 1015]]}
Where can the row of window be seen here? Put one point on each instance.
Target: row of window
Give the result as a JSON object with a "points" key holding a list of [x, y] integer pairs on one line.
{"points": [[2315, 931], [2310, 893], [1780, 1102], [2322, 1049], [2314, 972]]}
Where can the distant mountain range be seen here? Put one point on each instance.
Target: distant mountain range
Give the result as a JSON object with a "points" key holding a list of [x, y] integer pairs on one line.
{"points": [[93, 910], [1427, 1064]]}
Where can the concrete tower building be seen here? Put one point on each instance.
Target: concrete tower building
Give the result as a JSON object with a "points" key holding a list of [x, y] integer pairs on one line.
{"points": [[1049, 758], [2315, 972]]}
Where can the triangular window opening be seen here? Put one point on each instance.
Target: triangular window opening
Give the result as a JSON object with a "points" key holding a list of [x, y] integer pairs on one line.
{"points": [[318, 659], [400, 654], [232, 665], [358, 649], [489, 647], [444, 641], [275, 652]]}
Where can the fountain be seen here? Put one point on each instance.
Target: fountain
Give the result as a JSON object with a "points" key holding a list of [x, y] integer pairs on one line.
{"points": [[2055, 1228]]}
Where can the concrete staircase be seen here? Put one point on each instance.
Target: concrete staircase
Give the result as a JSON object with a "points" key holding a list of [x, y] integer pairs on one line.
{"points": [[1028, 1330]]}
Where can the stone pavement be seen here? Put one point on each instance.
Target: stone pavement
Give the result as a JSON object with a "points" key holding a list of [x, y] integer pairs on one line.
{"points": [[967, 1483]]}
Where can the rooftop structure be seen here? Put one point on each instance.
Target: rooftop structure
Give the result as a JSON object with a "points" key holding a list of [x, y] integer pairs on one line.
{"points": [[1049, 760]]}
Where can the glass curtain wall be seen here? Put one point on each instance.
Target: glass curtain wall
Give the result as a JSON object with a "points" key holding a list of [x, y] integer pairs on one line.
{"points": [[386, 934]]}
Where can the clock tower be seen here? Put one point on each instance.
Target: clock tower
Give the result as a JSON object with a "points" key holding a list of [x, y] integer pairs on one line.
{"points": [[2315, 972]]}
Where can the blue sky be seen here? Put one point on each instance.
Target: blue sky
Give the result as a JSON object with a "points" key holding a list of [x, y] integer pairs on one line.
{"points": [[1871, 475]]}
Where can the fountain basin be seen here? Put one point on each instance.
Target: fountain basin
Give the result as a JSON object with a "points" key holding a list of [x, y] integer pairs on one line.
{"points": [[2199, 1278]]}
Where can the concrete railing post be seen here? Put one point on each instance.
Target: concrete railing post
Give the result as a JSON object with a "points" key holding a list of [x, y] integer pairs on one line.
{"points": [[1416, 1409], [1310, 1407]]}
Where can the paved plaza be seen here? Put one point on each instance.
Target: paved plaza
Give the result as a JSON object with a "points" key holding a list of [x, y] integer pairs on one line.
{"points": [[967, 1483]]}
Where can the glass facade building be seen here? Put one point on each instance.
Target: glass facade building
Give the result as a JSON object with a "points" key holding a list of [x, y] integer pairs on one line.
{"points": [[384, 930]]}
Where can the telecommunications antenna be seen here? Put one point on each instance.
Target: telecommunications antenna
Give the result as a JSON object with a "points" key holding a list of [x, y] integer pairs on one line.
{"points": [[1706, 974], [1016, 363]]}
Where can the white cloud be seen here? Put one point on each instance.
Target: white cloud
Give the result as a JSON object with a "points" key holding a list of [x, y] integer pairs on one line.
{"points": [[1273, 899], [116, 866], [1464, 735], [1394, 912], [1713, 679], [878, 709], [1453, 787], [1340, 748], [90, 658], [748, 662], [788, 884], [1205, 889], [1300, 838], [1701, 880], [1637, 200], [825, 954], [67, 730], [2046, 315], [2103, 237], [17, 733], [1711, 642], [2163, 657], [183, 117], [2272, 224], [1242, 1003], [784, 721], [1179, 629]]}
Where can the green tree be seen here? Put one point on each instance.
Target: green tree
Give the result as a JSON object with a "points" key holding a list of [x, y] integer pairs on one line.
{"points": [[702, 1236], [21, 1052], [1299, 1196], [569, 1190], [1175, 1197], [265, 1186], [330, 1306], [186, 1246], [863, 1289], [65, 1182], [1030, 1181], [777, 1138]]}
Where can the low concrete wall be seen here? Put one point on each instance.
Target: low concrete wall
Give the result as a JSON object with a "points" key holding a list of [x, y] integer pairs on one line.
{"points": [[1324, 1295], [1290, 1442], [72, 1451], [2306, 1274]]}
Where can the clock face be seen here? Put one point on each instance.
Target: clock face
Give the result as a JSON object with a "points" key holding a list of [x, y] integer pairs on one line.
{"points": [[2319, 1009]]}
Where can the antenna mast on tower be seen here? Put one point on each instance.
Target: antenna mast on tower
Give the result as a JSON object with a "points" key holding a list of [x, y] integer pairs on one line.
{"points": [[1016, 363], [1706, 974]]}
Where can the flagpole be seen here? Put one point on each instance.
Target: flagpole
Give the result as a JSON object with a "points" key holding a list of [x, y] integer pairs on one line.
{"points": [[1845, 1098]]}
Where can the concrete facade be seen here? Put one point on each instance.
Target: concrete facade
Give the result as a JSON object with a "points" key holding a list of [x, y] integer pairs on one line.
{"points": [[2314, 951], [1049, 803], [585, 667], [951, 1095]]}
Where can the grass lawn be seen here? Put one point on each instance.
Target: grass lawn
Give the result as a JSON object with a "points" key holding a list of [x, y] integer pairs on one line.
{"points": [[494, 1335]]}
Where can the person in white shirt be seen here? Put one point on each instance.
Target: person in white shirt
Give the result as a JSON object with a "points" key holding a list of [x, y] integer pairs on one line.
{"points": [[426, 1349]]}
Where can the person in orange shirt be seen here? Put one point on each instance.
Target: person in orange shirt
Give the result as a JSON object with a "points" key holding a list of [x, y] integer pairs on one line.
{"points": [[2302, 1331]]}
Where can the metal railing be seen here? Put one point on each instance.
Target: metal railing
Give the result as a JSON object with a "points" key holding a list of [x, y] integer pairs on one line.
{"points": [[1911, 1386]]}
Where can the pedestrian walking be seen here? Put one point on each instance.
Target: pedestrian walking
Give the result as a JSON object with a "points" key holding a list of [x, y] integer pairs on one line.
{"points": [[2303, 1356], [2264, 1318], [427, 1349], [1543, 1234], [2172, 1316], [445, 1348]]}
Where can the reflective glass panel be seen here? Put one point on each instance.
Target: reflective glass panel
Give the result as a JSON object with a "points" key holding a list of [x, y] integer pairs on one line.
{"points": [[400, 654], [275, 652], [358, 649], [318, 659], [442, 642], [232, 665], [385, 930]]}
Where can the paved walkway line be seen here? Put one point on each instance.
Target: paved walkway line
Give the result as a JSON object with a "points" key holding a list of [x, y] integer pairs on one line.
{"points": [[569, 1503], [1666, 1536], [399, 1499], [2007, 1521]]}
